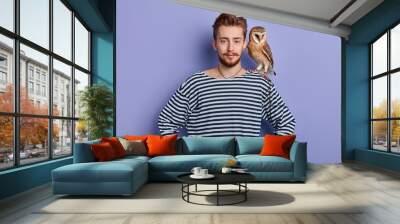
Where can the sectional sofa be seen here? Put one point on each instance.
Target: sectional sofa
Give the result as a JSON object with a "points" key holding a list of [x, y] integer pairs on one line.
{"points": [[125, 176]]}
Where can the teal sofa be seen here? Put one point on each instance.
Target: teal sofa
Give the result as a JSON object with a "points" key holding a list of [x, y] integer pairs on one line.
{"points": [[125, 176]]}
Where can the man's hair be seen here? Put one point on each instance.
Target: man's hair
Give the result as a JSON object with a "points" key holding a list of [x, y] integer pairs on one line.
{"points": [[229, 20]]}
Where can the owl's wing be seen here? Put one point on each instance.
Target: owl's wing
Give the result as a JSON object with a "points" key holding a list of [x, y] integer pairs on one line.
{"points": [[268, 53]]}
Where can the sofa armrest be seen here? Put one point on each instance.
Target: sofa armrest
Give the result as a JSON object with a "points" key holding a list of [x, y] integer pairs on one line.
{"points": [[298, 155], [83, 152]]}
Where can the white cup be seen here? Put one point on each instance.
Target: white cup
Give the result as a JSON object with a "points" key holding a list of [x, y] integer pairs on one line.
{"points": [[203, 172], [196, 170], [226, 170]]}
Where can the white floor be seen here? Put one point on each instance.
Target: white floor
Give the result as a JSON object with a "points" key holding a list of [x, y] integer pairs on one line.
{"points": [[378, 189]]}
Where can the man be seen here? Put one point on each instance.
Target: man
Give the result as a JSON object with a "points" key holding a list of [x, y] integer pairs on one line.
{"points": [[226, 100]]}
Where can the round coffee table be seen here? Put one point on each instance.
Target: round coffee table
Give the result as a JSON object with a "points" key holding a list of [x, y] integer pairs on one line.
{"points": [[238, 179]]}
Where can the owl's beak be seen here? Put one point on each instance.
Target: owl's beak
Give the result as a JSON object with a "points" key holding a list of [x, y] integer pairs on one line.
{"points": [[256, 38]]}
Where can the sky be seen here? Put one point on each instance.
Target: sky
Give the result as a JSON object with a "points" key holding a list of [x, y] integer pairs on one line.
{"points": [[34, 26]]}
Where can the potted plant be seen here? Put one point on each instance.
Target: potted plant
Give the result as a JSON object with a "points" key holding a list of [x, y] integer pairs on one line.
{"points": [[96, 102]]}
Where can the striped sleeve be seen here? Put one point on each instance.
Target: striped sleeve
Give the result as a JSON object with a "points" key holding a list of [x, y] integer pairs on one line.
{"points": [[174, 114], [276, 112]]}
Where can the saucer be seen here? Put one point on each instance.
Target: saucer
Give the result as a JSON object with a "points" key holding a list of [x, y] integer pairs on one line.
{"points": [[208, 176]]}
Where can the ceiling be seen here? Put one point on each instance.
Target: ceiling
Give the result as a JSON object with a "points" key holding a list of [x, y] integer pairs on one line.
{"points": [[333, 17]]}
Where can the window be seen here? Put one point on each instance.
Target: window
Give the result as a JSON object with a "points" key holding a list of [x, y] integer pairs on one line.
{"points": [[6, 86], [385, 91], [54, 126], [38, 89], [81, 45], [3, 78], [43, 90], [3, 61], [34, 21], [37, 75], [30, 72], [7, 14], [30, 87], [3, 71], [43, 77]]}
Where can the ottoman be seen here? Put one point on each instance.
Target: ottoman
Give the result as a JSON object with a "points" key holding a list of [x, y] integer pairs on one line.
{"points": [[118, 177]]}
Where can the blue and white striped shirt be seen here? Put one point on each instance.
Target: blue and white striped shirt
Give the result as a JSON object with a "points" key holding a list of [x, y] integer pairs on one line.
{"points": [[207, 106]]}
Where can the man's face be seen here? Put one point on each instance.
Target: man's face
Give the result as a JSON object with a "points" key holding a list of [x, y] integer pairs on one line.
{"points": [[229, 44]]}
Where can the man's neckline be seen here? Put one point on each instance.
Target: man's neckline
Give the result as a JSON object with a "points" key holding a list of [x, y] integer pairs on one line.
{"points": [[235, 77]]}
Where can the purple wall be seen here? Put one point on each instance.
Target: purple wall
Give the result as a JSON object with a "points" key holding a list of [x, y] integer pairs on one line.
{"points": [[161, 43]]}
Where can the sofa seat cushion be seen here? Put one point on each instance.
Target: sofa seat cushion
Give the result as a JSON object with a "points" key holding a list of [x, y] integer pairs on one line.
{"points": [[111, 171], [185, 163], [257, 163], [133, 158]]}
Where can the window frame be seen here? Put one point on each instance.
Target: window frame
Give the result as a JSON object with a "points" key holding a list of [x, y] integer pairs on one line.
{"points": [[388, 74], [16, 114]]}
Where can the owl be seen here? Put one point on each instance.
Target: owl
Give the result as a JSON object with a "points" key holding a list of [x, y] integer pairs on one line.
{"points": [[260, 51]]}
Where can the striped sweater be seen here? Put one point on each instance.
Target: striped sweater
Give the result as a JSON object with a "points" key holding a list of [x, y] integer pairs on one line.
{"points": [[207, 106]]}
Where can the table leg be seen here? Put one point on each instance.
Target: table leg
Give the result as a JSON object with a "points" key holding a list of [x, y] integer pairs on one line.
{"points": [[245, 193], [196, 188], [217, 194]]}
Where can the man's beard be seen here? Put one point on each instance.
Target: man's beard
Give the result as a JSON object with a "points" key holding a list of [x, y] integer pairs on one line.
{"points": [[228, 64]]}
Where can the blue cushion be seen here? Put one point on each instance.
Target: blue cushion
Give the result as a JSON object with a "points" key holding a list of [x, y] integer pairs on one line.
{"points": [[208, 145], [83, 153], [185, 163], [257, 163], [249, 145]]}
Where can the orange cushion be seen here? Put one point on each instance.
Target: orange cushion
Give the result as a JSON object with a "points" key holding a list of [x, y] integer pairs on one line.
{"points": [[103, 151], [276, 145], [161, 145], [116, 145], [136, 137]]}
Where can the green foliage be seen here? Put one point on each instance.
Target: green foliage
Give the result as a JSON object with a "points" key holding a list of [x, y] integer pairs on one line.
{"points": [[97, 104]]}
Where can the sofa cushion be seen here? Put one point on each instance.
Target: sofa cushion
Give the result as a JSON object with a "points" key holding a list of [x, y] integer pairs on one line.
{"points": [[134, 147], [185, 163], [116, 145], [103, 151], [195, 145], [249, 145], [257, 163], [276, 145], [161, 145]]}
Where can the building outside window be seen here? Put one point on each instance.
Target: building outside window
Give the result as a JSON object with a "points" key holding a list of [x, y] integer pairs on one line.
{"points": [[34, 75]]}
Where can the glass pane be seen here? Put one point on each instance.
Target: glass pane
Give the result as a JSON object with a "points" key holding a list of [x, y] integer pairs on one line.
{"points": [[81, 131], [81, 45], [6, 142], [395, 47], [62, 138], [34, 97], [379, 55], [35, 21], [395, 94], [81, 81], [7, 14], [62, 29], [395, 136], [379, 97], [6, 74], [33, 139], [379, 135], [62, 89]]}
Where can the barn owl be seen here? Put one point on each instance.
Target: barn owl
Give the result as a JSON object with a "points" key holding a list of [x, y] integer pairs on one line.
{"points": [[260, 51]]}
